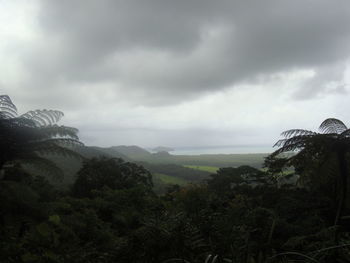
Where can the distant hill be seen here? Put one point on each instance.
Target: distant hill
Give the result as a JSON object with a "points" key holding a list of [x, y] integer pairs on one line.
{"points": [[110, 152], [163, 149], [162, 154], [133, 152], [70, 166], [160, 163], [91, 151]]}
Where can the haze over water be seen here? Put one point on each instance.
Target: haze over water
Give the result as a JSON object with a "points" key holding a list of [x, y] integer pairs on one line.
{"points": [[231, 149]]}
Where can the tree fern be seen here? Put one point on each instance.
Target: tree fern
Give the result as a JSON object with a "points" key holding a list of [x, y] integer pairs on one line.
{"points": [[43, 117], [332, 125], [331, 144], [8, 109], [29, 137]]}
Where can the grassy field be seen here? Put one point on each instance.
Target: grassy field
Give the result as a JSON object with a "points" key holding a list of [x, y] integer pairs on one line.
{"points": [[137, 154], [216, 160], [205, 168], [167, 179]]}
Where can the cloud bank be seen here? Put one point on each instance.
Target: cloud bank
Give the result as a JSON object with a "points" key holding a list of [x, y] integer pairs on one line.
{"points": [[134, 59]]}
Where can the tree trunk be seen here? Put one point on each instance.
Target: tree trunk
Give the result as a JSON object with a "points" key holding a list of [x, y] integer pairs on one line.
{"points": [[343, 169], [2, 162]]}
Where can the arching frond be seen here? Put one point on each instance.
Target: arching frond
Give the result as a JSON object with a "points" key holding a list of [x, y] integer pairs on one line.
{"points": [[8, 112], [280, 143], [43, 117], [28, 138], [283, 150], [296, 141], [52, 148], [65, 142], [7, 108], [297, 132], [293, 144], [61, 131], [5, 100], [19, 123], [332, 125]]}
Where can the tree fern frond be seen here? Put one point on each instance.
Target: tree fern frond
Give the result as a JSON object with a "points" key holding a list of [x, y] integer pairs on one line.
{"points": [[280, 143], [30, 136], [23, 122], [332, 125], [297, 132], [290, 148], [65, 142], [54, 149], [7, 102], [43, 117], [322, 160], [6, 110], [297, 142], [5, 115], [291, 144], [33, 116], [61, 131]]}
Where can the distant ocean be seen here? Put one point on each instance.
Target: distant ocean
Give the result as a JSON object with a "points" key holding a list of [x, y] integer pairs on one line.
{"points": [[222, 149]]}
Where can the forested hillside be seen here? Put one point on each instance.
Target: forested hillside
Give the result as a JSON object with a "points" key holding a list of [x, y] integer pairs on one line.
{"points": [[108, 210], [181, 167]]}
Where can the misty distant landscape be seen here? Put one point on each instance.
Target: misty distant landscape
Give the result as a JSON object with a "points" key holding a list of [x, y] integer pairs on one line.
{"points": [[174, 131], [165, 167], [228, 149]]}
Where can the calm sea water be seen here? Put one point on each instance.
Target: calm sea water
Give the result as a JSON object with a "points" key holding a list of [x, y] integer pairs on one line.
{"points": [[222, 149]]}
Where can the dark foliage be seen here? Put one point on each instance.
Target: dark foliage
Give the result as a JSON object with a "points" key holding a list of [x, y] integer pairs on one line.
{"points": [[97, 174], [321, 160], [239, 214], [29, 137], [125, 222], [177, 171]]}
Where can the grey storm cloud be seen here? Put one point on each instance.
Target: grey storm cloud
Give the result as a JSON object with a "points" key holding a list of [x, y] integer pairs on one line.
{"points": [[166, 51], [325, 81]]}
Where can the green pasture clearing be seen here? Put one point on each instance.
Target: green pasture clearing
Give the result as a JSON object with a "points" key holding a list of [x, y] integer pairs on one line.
{"points": [[216, 160], [170, 179], [205, 168]]}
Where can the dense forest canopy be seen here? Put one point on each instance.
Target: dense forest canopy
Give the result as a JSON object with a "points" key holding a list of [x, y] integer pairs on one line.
{"points": [[110, 212]]}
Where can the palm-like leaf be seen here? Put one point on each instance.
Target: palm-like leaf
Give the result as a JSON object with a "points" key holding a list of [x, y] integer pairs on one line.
{"points": [[30, 136], [7, 108], [43, 117], [297, 139], [52, 147], [320, 152], [59, 131], [332, 125], [292, 143], [297, 132]]}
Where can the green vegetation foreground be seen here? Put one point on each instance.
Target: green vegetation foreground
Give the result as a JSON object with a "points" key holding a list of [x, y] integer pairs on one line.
{"points": [[111, 214]]}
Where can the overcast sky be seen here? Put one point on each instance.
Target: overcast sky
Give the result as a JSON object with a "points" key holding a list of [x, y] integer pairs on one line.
{"points": [[178, 72]]}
